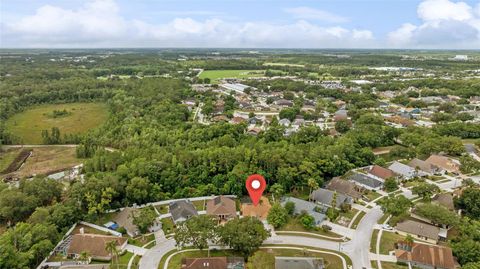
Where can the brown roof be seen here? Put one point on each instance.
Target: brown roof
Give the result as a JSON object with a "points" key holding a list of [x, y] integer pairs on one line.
{"points": [[400, 120], [419, 228], [237, 120], [94, 244], [205, 263], [344, 186], [260, 211], [381, 172], [444, 162], [435, 256], [124, 219], [423, 165], [445, 199], [221, 205]]}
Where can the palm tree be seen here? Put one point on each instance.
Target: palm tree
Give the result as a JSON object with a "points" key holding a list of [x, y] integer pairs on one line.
{"points": [[409, 241], [84, 257], [112, 248], [313, 184]]}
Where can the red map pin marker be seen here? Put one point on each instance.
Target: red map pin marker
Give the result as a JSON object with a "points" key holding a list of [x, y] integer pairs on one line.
{"points": [[255, 185]]}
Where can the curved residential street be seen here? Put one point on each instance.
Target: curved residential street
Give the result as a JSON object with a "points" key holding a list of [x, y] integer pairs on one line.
{"points": [[357, 248]]}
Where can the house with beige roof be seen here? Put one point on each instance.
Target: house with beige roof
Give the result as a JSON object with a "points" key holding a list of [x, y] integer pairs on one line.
{"points": [[259, 211], [424, 168], [125, 218], [445, 163], [444, 199], [94, 244], [422, 231], [425, 256], [223, 208], [345, 187]]}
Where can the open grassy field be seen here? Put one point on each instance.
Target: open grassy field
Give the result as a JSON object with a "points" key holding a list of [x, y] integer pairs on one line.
{"points": [[283, 64], [215, 75], [28, 125], [7, 157], [47, 159]]}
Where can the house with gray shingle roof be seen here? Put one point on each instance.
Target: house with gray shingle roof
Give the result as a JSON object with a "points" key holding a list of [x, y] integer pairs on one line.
{"points": [[302, 206], [405, 171], [182, 210], [324, 198], [366, 181]]}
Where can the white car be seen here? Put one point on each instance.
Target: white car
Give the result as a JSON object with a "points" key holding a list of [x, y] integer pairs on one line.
{"points": [[387, 227]]}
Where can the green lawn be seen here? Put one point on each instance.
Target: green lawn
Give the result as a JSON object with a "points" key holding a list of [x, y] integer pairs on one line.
{"points": [[349, 215], [215, 75], [136, 262], [122, 260], [388, 240], [167, 225], [199, 205], [373, 241], [140, 241], [372, 195], [28, 125], [358, 219], [294, 224], [391, 265], [383, 219], [263, 258], [162, 209], [7, 157]]}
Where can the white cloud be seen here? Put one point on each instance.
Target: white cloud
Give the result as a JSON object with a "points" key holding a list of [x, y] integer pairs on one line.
{"points": [[315, 14], [430, 10], [445, 24], [98, 23]]}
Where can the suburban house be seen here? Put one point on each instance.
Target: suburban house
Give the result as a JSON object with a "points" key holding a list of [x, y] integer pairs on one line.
{"points": [[379, 172], [425, 256], [444, 199], [223, 208], [125, 217], [260, 211], [366, 181], [284, 122], [422, 231], [340, 115], [405, 171], [447, 164], [283, 103], [213, 263], [94, 244], [325, 197], [253, 131], [298, 263], [345, 187], [425, 167], [302, 206], [182, 210]]}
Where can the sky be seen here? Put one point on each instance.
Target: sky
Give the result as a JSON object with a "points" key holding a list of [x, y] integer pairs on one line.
{"points": [[412, 24]]}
